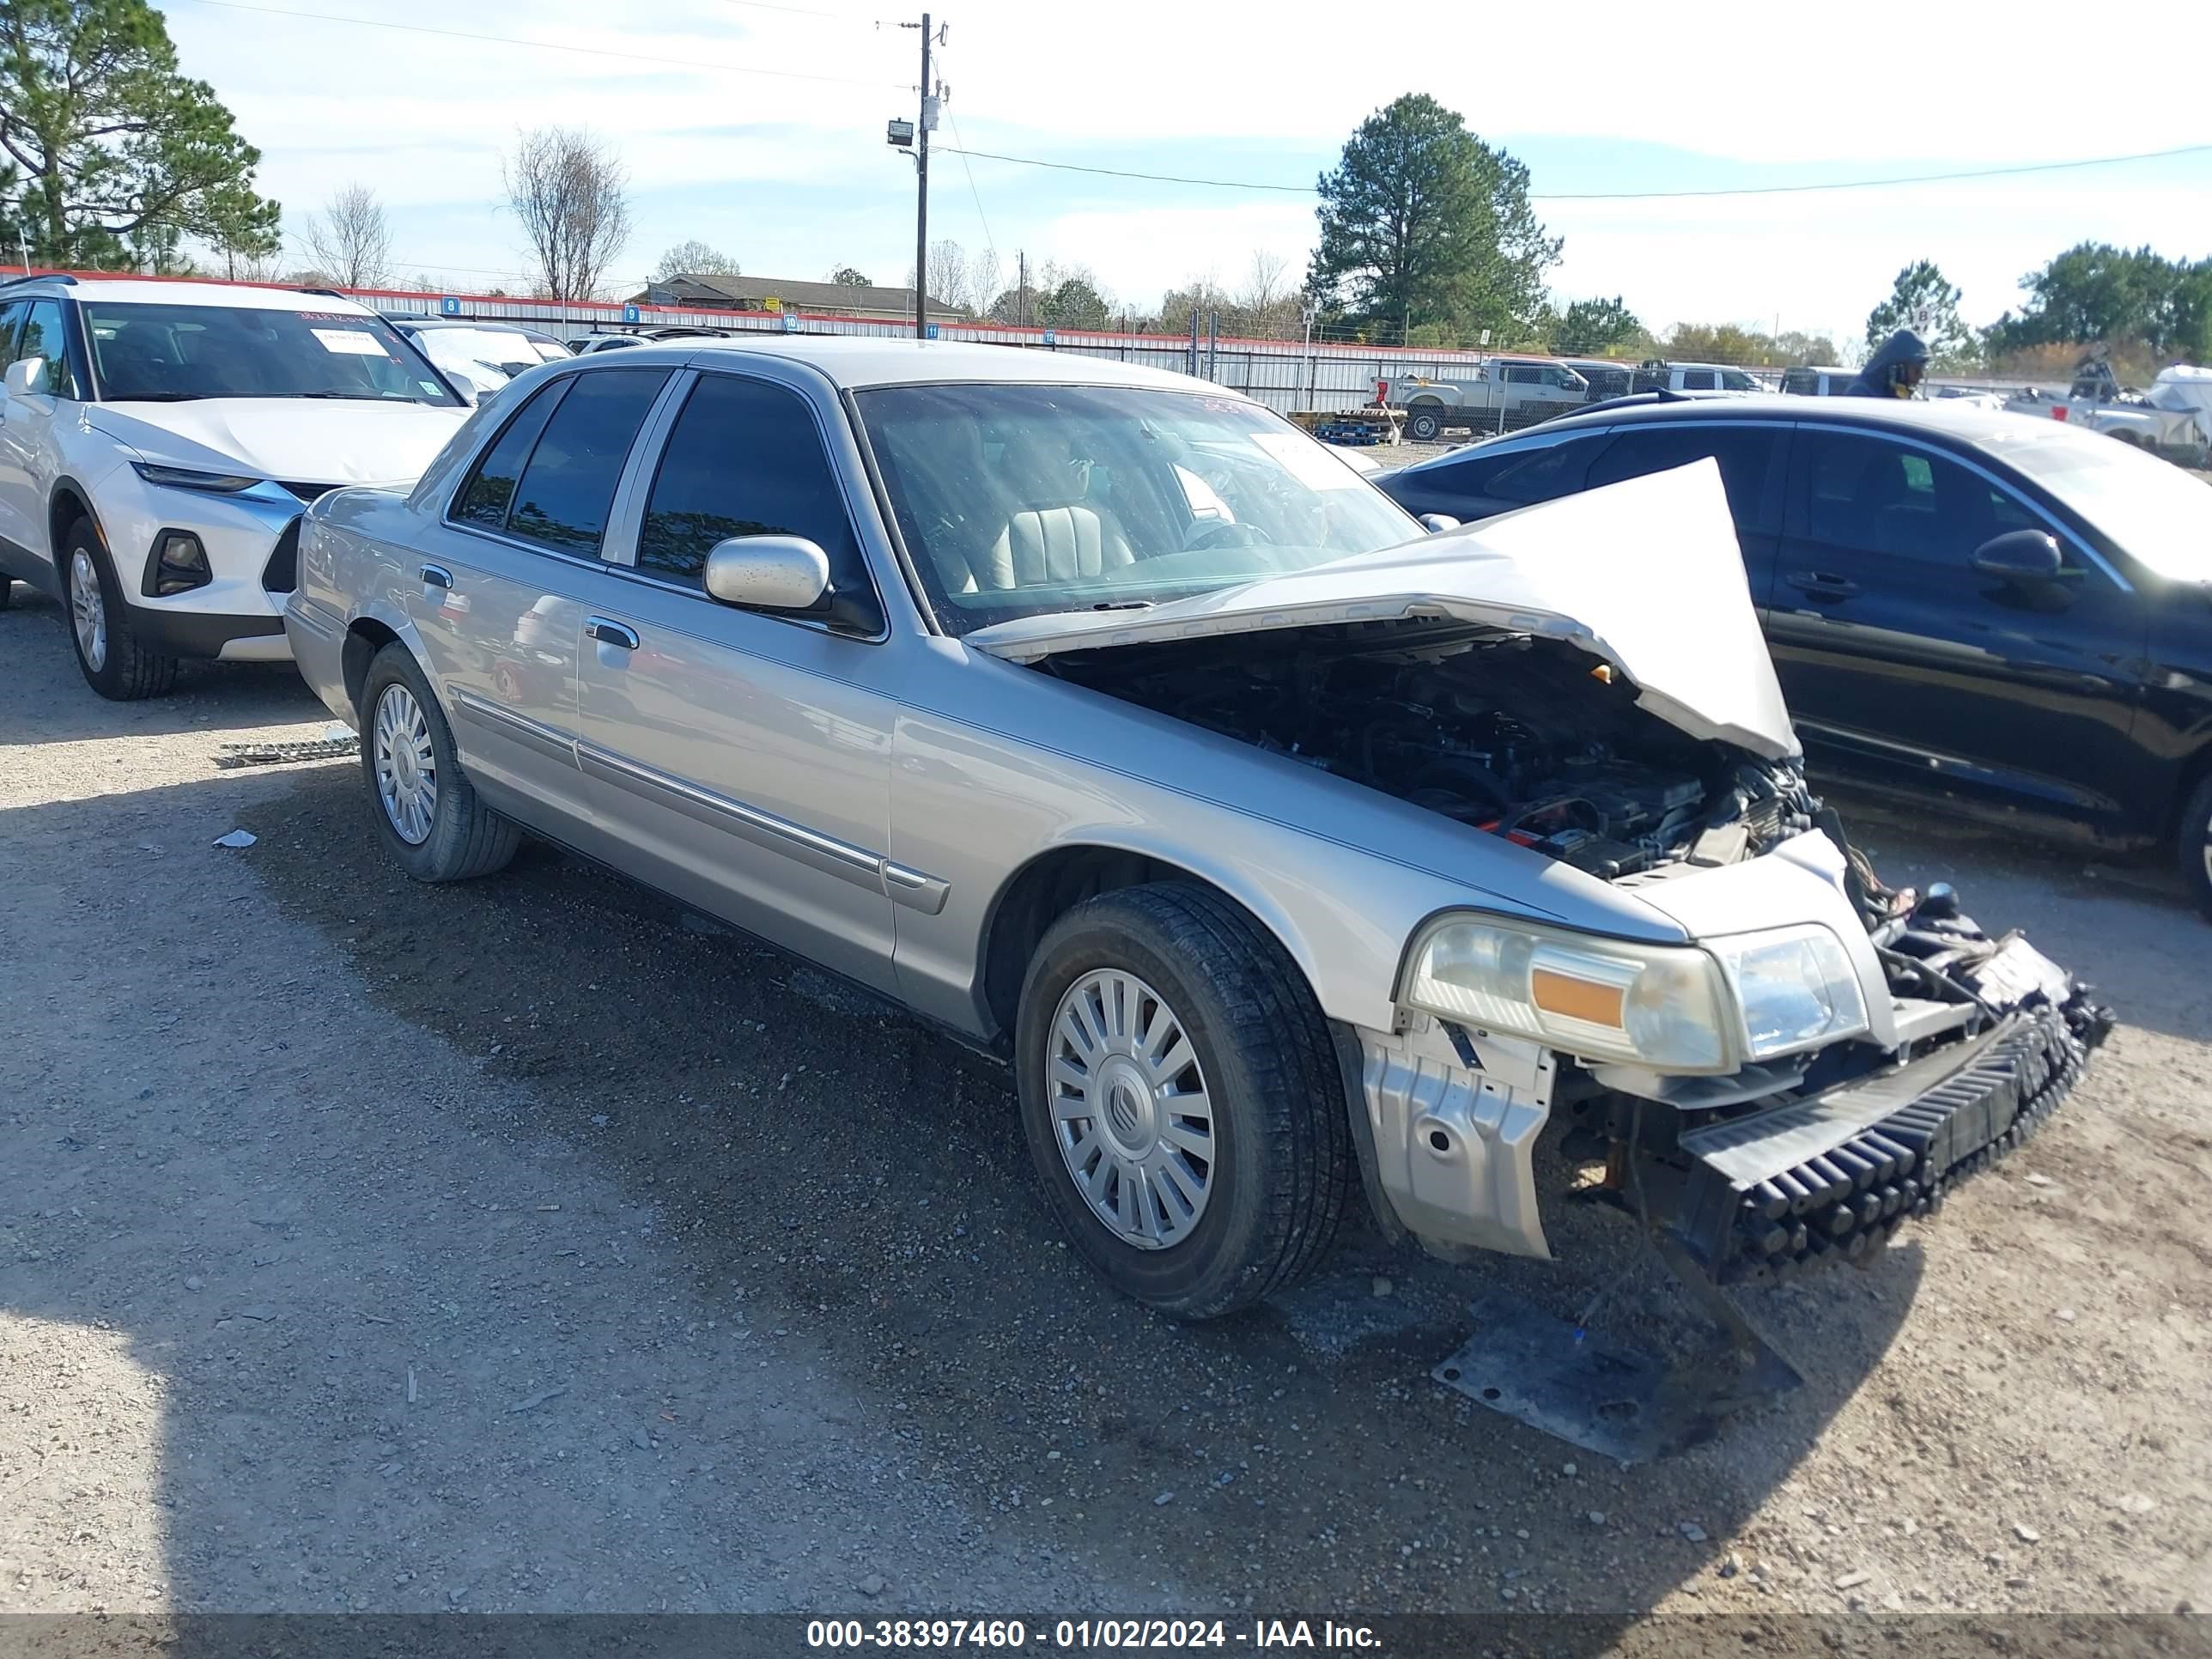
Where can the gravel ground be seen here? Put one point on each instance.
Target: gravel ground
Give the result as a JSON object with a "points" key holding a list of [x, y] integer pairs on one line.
{"points": [[529, 1244]]}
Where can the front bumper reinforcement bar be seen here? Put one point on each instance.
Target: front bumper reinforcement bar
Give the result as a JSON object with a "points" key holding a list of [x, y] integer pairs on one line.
{"points": [[1831, 1177]]}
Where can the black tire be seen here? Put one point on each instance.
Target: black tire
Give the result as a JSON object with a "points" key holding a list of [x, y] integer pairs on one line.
{"points": [[1284, 1168], [6, 591], [465, 838], [1425, 426], [2194, 843], [127, 673]]}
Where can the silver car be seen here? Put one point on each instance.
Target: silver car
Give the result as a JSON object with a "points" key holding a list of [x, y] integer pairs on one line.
{"points": [[1105, 719]]}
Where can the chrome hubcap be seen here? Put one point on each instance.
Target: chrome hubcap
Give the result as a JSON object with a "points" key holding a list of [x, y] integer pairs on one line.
{"points": [[406, 765], [87, 610], [1130, 1111]]}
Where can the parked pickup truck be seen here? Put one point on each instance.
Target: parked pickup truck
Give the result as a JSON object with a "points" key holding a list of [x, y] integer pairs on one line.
{"points": [[2098, 400], [1502, 395]]}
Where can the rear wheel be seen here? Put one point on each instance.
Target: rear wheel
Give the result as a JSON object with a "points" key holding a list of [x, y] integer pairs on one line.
{"points": [[1425, 426], [2194, 842], [1182, 1099], [429, 813], [108, 649]]}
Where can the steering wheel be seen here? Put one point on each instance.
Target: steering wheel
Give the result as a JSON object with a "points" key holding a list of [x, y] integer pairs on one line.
{"points": [[1217, 532]]}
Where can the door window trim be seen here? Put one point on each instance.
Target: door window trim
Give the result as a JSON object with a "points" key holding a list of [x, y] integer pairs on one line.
{"points": [[1776, 492], [2063, 531], [557, 389], [642, 471]]}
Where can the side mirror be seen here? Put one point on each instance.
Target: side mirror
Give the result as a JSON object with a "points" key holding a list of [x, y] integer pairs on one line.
{"points": [[769, 573], [26, 378], [2019, 556], [1437, 523]]}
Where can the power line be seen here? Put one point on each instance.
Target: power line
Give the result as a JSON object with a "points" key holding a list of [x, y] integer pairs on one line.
{"points": [[551, 45], [1623, 195], [1877, 184], [1114, 172]]}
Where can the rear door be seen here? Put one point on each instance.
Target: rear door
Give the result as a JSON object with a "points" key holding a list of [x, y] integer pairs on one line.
{"points": [[1753, 457], [1902, 663], [497, 595]]}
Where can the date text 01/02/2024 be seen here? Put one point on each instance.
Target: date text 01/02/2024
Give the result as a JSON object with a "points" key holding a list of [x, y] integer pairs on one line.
{"points": [[1083, 1633]]}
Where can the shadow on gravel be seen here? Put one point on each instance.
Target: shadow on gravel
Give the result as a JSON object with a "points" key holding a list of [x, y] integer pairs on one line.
{"points": [[823, 1163], [210, 696], [813, 1149]]}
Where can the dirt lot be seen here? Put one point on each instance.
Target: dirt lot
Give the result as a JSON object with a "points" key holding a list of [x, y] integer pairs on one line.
{"points": [[530, 1245]]}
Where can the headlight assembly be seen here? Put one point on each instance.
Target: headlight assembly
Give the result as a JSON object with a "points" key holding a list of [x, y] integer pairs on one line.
{"points": [[1679, 1008], [186, 478], [1794, 988]]}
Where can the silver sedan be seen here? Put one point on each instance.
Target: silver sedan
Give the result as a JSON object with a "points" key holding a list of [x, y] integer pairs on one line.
{"points": [[1105, 719]]}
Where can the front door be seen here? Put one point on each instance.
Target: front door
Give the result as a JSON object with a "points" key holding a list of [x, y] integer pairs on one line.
{"points": [[29, 328], [497, 592], [1904, 663], [742, 759]]}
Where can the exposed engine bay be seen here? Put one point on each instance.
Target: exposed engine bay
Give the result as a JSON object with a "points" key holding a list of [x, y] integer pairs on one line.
{"points": [[1526, 738]]}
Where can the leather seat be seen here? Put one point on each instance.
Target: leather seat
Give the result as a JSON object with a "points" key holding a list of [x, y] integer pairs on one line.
{"points": [[1045, 544]]}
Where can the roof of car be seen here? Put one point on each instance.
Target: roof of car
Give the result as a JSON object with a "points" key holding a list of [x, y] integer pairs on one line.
{"points": [[139, 290], [1914, 414], [873, 360]]}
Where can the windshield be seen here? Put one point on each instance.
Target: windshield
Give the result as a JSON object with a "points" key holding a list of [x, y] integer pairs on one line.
{"points": [[1015, 501], [172, 354], [2161, 514], [505, 351]]}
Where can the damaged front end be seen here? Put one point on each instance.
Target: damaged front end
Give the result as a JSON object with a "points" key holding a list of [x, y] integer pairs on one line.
{"points": [[1988, 1037]]}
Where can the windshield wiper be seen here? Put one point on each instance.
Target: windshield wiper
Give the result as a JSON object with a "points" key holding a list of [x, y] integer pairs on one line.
{"points": [[351, 397], [159, 396], [1123, 605]]}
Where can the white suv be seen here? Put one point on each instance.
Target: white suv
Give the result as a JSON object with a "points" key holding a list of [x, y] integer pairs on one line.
{"points": [[159, 441]]}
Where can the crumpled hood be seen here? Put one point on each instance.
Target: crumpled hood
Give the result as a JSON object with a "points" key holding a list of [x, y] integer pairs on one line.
{"points": [[1646, 575], [294, 439]]}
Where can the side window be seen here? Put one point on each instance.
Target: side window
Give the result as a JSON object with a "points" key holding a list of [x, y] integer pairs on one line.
{"points": [[1881, 497], [11, 325], [567, 486], [1698, 380], [1522, 374], [1539, 474], [46, 335], [485, 499], [1746, 454], [745, 458]]}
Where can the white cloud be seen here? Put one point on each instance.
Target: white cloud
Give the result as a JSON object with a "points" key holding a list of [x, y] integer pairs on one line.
{"points": [[792, 175]]}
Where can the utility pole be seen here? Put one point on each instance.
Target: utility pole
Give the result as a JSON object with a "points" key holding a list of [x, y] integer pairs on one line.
{"points": [[921, 129]]}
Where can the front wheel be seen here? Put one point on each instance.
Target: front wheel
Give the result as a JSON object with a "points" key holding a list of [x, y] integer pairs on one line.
{"points": [[113, 662], [2194, 842], [1182, 1099], [1425, 426], [427, 810]]}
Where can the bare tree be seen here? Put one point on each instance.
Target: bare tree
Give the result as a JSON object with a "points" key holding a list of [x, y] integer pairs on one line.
{"points": [[351, 239], [695, 259], [948, 281], [1264, 285], [572, 194]]}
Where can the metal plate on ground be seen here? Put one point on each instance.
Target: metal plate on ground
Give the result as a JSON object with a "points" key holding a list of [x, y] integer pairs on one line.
{"points": [[1615, 1401]]}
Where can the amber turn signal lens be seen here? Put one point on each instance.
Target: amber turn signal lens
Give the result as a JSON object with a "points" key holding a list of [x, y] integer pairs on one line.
{"points": [[1576, 999]]}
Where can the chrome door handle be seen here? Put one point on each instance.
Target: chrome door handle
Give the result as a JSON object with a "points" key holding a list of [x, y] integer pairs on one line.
{"points": [[610, 633], [437, 576]]}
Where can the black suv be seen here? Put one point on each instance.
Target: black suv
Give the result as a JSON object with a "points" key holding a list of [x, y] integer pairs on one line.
{"points": [[2005, 614]]}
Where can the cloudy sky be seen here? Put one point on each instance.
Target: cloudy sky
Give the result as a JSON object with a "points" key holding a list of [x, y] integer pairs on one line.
{"points": [[759, 129]]}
